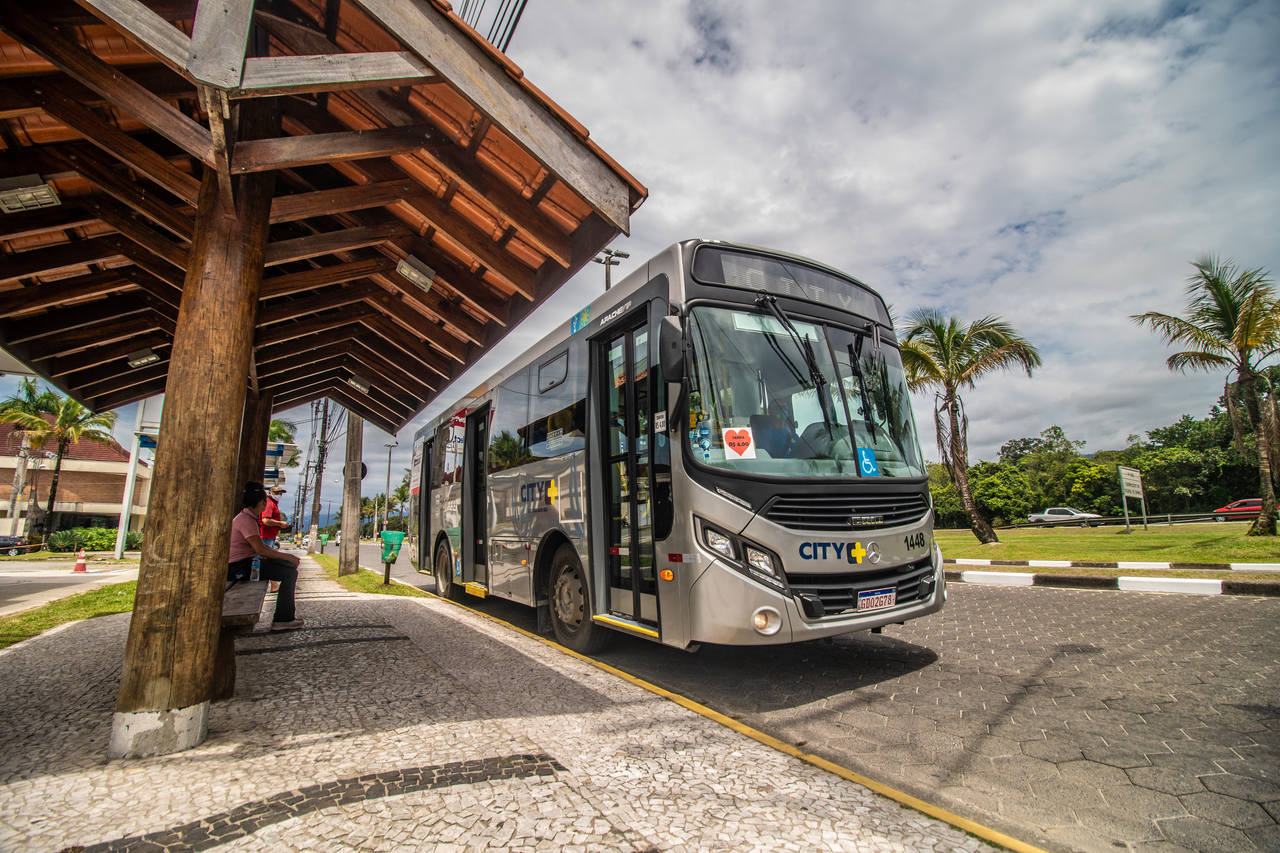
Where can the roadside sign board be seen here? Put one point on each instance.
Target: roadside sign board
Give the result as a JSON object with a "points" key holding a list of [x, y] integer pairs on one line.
{"points": [[1130, 482]]}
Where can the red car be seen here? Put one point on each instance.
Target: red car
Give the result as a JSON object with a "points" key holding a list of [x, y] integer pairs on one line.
{"points": [[1242, 510]]}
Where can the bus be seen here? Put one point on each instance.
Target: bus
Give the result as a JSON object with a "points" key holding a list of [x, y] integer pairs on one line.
{"points": [[719, 449]]}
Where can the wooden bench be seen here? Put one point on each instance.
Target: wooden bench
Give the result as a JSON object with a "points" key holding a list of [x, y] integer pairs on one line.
{"points": [[240, 608]]}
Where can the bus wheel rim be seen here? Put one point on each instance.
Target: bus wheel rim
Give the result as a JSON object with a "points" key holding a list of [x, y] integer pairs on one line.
{"points": [[570, 602]]}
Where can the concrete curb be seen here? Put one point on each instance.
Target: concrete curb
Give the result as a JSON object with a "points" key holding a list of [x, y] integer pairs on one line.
{"points": [[1194, 586], [1122, 564]]}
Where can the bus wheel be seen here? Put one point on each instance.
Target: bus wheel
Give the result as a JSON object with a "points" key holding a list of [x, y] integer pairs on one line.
{"points": [[445, 587], [570, 611]]}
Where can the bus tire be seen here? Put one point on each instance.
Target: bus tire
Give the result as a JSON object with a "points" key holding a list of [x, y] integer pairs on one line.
{"points": [[445, 587], [570, 610]]}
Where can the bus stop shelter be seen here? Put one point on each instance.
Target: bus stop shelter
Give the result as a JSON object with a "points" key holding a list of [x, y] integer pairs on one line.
{"points": [[248, 207]]}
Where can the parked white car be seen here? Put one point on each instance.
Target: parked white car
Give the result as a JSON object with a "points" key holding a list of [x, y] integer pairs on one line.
{"points": [[1064, 515]]}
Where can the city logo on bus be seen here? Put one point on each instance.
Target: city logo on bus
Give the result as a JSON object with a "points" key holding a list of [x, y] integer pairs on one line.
{"points": [[539, 493], [852, 552]]}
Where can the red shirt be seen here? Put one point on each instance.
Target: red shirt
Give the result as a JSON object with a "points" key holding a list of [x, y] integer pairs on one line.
{"points": [[272, 511]]}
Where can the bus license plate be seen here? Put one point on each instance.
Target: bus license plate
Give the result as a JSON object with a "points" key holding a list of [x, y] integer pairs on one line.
{"points": [[877, 599]]}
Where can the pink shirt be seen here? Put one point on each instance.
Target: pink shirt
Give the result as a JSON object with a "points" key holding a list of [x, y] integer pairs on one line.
{"points": [[243, 526]]}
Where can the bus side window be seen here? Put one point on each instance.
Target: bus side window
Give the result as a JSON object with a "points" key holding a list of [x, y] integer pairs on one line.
{"points": [[507, 448], [558, 412]]}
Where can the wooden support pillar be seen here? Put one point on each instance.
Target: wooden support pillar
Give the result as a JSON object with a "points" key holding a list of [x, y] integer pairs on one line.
{"points": [[167, 677], [349, 556], [253, 439]]}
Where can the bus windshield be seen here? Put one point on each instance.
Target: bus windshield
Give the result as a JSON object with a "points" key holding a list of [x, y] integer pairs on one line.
{"points": [[778, 396]]}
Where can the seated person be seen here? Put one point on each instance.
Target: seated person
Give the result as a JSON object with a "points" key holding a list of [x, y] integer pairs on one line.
{"points": [[246, 542]]}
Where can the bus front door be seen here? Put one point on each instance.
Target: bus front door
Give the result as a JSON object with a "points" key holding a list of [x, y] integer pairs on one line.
{"points": [[627, 464], [475, 516]]}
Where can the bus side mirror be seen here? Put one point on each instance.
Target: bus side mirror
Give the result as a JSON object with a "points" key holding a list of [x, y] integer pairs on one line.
{"points": [[671, 349]]}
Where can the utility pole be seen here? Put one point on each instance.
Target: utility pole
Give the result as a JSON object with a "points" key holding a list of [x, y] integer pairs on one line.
{"points": [[349, 551], [322, 444], [386, 495], [610, 259]]}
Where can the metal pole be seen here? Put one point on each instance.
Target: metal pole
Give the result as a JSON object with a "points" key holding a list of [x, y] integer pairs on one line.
{"points": [[386, 494], [126, 503]]}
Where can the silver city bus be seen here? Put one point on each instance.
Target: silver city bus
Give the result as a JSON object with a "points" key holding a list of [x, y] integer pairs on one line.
{"points": [[719, 449]]}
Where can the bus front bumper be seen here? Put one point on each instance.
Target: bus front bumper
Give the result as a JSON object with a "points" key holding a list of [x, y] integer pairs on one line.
{"points": [[724, 605]]}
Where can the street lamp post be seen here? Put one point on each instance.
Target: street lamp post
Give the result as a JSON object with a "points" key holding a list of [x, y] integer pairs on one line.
{"points": [[610, 259], [386, 494]]}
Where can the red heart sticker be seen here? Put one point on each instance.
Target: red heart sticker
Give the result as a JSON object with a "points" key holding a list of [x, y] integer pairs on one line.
{"points": [[737, 440]]}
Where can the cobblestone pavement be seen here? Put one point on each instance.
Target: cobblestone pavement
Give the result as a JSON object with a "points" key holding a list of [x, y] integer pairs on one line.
{"points": [[1081, 720], [406, 724]]}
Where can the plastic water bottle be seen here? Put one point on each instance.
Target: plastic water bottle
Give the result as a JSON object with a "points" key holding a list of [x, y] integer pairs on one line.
{"points": [[255, 569]]}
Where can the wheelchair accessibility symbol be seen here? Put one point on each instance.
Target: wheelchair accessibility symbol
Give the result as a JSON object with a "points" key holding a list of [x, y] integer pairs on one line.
{"points": [[867, 462]]}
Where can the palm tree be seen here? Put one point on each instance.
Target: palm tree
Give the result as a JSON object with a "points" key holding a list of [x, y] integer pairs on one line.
{"points": [[71, 422], [1233, 322], [28, 400], [279, 430], [943, 354]]}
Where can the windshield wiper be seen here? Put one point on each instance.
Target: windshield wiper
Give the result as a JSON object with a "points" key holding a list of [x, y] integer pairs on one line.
{"points": [[769, 301], [855, 362]]}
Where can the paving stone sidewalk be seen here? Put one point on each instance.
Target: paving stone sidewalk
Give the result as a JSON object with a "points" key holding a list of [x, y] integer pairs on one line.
{"points": [[407, 724]]}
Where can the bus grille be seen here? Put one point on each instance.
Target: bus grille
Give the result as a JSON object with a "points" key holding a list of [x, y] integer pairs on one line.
{"points": [[847, 512], [839, 592]]}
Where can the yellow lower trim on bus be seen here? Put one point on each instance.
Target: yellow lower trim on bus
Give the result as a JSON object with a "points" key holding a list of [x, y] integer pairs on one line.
{"points": [[626, 626], [479, 590]]}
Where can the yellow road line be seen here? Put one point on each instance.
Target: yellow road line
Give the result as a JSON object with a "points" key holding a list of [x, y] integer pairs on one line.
{"points": [[986, 833]]}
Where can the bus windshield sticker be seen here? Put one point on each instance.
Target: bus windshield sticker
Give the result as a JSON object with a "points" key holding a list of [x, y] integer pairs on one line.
{"points": [[740, 441], [867, 462]]}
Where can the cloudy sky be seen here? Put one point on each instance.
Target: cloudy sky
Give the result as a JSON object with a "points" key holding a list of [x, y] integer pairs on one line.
{"points": [[1057, 163]]}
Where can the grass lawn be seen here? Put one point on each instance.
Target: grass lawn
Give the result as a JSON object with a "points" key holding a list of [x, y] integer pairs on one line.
{"points": [[365, 581], [1183, 543], [116, 598]]}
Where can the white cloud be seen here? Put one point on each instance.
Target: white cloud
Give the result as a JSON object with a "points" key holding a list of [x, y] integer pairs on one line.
{"points": [[1057, 163]]}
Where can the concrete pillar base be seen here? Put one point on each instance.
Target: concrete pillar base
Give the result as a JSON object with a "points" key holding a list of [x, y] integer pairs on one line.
{"points": [[138, 734]]}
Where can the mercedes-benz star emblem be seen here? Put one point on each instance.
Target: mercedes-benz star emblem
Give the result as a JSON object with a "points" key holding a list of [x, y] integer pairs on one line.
{"points": [[873, 552]]}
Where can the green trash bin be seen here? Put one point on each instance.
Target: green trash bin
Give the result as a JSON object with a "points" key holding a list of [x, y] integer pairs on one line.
{"points": [[323, 537], [391, 542]]}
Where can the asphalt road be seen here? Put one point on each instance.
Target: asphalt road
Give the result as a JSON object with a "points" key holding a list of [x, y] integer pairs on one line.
{"points": [[1072, 719], [25, 584]]}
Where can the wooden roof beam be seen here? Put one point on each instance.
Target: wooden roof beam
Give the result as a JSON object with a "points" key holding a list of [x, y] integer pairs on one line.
{"points": [[119, 90], [297, 75], [63, 320], [93, 373], [424, 30], [57, 101], [314, 362], [396, 337], [291, 152], [100, 172], [62, 366], [148, 28], [403, 312], [127, 396], [123, 220], [471, 288], [480, 244], [397, 374], [104, 332], [51, 259], [330, 242], [123, 377], [281, 332], [288, 349], [291, 208], [282, 310], [23, 300], [372, 410], [283, 285], [64, 217]]}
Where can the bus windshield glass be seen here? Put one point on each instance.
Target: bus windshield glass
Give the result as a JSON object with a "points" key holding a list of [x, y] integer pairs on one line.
{"points": [[777, 396]]}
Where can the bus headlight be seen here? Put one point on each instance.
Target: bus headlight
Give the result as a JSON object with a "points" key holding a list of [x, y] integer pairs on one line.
{"points": [[743, 554], [760, 561], [766, 621], [719, 542]]}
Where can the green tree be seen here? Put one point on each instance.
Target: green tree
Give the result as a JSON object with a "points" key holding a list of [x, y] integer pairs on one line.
{"points": [[946, 500], [30, 400], [70, 423], [1000, 492], [945, 355], [286, 432], [1232, 322]]}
